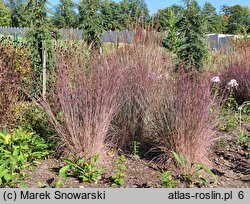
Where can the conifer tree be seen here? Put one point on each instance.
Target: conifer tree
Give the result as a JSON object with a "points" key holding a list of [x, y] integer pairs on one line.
{"points": [[65, 15], [171, 32], [90, 22], [213, 22], [39, 37], [191, 49]]}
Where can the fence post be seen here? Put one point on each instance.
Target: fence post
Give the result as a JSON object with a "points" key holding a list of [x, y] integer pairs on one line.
{"points": [[44, 72]]}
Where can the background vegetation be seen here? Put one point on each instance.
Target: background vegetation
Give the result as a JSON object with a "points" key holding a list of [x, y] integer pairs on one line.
{"points": [[163, 98]]}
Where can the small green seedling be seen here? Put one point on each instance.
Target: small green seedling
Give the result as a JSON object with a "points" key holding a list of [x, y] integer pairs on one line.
{"points": [[244, 140], [118, 178], [135, 147], [167, 180]]}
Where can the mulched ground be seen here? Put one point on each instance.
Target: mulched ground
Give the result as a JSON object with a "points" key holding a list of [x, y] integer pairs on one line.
{"points": [[231, 165], [139, 173]]}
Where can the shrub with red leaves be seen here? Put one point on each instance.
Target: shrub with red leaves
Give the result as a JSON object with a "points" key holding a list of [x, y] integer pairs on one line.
{"points": [[14, 67]]}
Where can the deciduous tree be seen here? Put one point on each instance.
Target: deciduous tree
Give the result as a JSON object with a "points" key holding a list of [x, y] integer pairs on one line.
{"points": [[5, 14], [238, 17], [112, 15]]}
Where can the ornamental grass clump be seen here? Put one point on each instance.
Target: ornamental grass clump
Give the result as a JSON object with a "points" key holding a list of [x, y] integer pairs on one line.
{"points": [[239, 70], [87, 92], [182, 119], [146, 68]]}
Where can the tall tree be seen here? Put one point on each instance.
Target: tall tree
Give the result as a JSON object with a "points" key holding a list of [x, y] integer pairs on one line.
{"points": [[165, 17], [238, 18], [111, 14], [125, 14], [139, 7], [168, 23], [191, 48], [39, 38], [90, 21], [5, 14], [135, 10], [19, 16], [213, 21], [178, 10], [65, 14]]}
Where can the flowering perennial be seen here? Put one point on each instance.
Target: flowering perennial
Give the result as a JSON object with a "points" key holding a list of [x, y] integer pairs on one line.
{"points": [[215, 79], [232, 83]]}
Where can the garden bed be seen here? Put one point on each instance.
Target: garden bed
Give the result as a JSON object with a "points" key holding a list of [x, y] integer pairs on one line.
{"points": [[231, 166]]}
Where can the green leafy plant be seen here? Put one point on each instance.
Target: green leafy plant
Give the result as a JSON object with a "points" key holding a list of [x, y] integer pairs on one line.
{"points": [[82, 169], [40, 184], [244, 112], [15, 68], [135, 147], [230, 119], [229, 112], [23, 185], [245, 107], [18, 151], [244, 140], [32, 119], [118, 178], [216, 89], [58, 184], [191, 171], [167, 180], [233, 117], [231, 101]]}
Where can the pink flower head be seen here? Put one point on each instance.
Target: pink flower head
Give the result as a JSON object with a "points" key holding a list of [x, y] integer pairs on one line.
{"points": [[215, 79], [232, 83]]}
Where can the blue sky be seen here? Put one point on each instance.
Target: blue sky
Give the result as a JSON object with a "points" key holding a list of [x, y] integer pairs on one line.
{"points": [[155, 5]]}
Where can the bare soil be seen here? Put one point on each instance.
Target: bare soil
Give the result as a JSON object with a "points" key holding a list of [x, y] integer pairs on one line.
{"points": [[231, 165]]}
